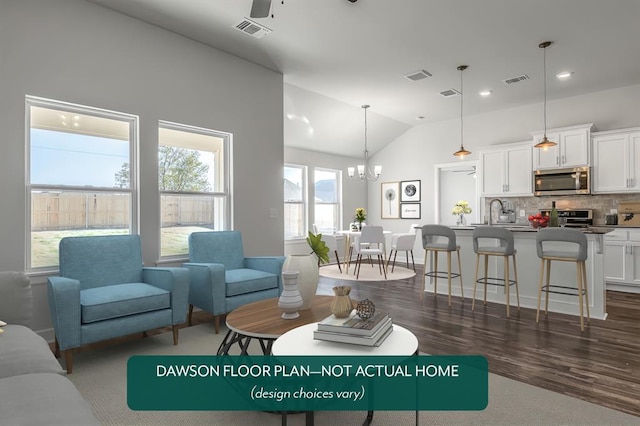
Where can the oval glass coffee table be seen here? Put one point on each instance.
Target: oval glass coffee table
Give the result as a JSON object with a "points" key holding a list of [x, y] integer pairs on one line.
{"points": [[300, 342], [262, 321]]}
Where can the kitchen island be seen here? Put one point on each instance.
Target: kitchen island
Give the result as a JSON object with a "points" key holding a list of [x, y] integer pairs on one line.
{"points": [[528, 265]]}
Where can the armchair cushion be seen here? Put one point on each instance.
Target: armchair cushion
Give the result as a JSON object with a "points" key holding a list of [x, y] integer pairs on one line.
{"points": [[119, 300], [242, 281]]}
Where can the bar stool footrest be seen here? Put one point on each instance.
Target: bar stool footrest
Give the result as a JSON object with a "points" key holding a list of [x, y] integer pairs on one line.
{"points": [[497, 281], [441, 274], [570, 291]]}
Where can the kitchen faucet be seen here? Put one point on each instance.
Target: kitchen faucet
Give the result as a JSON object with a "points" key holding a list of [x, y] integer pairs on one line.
{"points": [[491, 204]]}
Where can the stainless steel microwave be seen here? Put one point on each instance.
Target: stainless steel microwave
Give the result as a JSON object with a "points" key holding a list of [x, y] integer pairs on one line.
{"points": [[562, 181]]}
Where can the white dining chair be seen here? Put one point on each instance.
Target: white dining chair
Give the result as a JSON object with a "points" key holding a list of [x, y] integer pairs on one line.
{"points": [[374, 237]]}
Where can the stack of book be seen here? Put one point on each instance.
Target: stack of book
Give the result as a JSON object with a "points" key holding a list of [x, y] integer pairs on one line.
{"points": [[353, 329]]}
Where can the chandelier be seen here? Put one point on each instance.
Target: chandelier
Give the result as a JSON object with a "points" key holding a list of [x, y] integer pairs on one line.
{"points": [[461, 152], [545, 143], [364, 171]]}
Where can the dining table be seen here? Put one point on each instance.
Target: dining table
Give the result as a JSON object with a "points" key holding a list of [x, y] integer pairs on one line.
{"points": [[348, 234]]}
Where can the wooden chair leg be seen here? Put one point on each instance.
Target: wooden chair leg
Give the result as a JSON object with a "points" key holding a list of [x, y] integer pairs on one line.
{"points": [[338, 260], [216, 323], [540, 289], [460, 276], [449, 275], [424, 274], [413, 262], [475, 282], [174, 329], [515, 278], [579, 280], [189, 323], [68, 360], [506, 283], [586, 292]]}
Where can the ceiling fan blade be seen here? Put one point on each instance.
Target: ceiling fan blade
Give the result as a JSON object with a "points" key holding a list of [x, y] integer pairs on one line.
{"points": [[260, 8]]}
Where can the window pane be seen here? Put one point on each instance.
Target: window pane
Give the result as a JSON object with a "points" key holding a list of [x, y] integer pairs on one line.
{"points": [[190, 161], [326, 186], [294, 221], [327, 200], [78, 149], [295, 199], [327, 217], [184, 214], [58, 214], [293, 184]]}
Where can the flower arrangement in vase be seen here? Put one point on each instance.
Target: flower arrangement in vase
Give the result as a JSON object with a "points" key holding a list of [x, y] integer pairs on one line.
{"points": [[460, 209], [360, 217]]}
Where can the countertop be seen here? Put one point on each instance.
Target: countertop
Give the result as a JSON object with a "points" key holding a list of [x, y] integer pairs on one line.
{"points": [[515, 227]]}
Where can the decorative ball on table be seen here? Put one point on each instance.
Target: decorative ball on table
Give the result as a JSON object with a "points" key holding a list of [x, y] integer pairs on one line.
{"points": [[365, 309]]}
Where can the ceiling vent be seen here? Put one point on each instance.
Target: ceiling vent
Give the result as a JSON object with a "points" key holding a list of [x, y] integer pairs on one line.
{"points": [[450, 92], [418, 75], [517, 79], [251, 28]]}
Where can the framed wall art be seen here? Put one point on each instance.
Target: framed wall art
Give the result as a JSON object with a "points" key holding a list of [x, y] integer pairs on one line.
{"points": [[409, 210], [410, 191], [390, 208]]}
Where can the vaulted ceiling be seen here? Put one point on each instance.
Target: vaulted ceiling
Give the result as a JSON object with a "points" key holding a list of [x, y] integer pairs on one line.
{"points": [[336, 55]]}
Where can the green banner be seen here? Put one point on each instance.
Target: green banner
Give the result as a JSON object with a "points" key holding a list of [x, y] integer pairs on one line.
{"points": [[307, 383]]}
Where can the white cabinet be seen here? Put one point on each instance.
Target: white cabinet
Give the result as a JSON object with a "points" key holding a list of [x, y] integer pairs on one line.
{"points": [[572, 149], [616, 161], [622, 259], [506, 170]]}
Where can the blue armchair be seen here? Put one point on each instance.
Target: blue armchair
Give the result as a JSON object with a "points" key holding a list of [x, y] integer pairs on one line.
{"points": [[222, 279], [104, 291]]}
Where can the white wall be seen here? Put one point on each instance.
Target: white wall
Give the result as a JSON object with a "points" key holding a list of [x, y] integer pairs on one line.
{"points": [[78, 52], [414, 154]]}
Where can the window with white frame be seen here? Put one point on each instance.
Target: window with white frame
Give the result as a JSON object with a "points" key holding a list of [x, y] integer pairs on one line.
{"points": [[193, 178], [295, 201], [81, 169], [327, 196]]}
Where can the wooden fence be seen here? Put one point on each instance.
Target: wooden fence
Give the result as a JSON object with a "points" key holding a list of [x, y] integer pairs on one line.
{"points": [[57, 211]]}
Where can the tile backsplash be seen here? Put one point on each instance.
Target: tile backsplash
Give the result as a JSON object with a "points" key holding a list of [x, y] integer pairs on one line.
{"points": [[600, 204]]}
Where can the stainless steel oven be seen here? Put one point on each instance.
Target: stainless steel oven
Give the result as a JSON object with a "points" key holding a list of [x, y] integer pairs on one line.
{"points": [[562, 181]]}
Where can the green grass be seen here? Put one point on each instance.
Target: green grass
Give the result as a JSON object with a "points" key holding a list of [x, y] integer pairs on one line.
{"points": [[44, 244]]}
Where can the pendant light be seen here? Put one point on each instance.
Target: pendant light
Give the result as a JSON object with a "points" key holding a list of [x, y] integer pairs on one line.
{"points": [[364, 171], [461, 152], [545, 143]]}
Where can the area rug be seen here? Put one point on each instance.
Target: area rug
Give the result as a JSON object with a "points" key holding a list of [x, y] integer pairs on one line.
{"points": [[367, 273], [100, 376]]}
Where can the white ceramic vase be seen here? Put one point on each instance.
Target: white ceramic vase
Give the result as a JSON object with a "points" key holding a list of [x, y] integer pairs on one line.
{"points": [[308, 275], [290, 300]]}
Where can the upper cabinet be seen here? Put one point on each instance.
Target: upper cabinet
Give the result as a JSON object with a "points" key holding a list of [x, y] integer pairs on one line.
{"points": [[616, 161], [505, 171], [572, 149]]}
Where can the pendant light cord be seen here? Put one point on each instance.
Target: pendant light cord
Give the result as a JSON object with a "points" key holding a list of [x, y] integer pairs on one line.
{"points": [[461, 115], [544, 78]]}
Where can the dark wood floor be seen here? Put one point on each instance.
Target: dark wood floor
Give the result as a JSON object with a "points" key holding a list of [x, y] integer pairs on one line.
{"points": [[600, 365]]}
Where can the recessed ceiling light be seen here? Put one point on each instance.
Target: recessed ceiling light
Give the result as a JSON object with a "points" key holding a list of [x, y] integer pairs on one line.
{"points": [[564, 75], [486, 92], [420, 117]]}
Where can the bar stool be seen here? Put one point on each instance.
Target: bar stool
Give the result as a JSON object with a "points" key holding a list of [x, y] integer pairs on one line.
{"points": [[484, 244], [431, 236], [577, 242]]}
